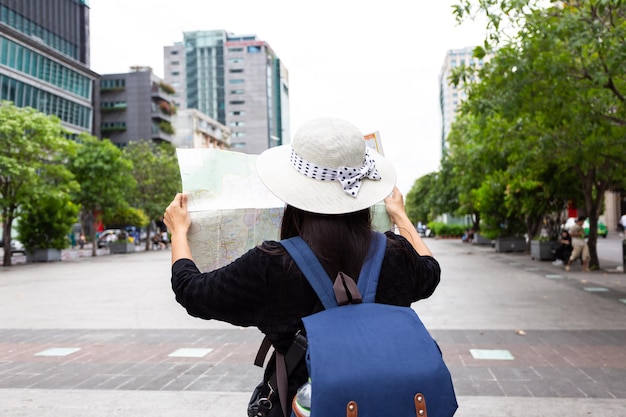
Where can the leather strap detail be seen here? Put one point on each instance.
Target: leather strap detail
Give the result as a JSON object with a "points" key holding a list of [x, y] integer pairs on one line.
{"points": [[262, 352], [420, 405], [346, 290], [352, 410], [281, 381]]}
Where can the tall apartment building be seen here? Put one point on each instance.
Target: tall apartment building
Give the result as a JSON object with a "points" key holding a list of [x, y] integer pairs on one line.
{"points": [[136, 105], [450, 96], [44, 60], [236, 80]]}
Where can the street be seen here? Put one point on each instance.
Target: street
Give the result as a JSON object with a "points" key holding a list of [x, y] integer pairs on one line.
{"points": [[104, 336]]}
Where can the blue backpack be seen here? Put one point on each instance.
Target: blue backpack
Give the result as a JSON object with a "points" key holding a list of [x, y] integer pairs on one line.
{"points": [[367, 359]]}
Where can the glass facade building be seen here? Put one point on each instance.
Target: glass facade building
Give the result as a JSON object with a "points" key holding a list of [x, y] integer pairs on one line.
{"points": [[44, 60], [235, 79]]}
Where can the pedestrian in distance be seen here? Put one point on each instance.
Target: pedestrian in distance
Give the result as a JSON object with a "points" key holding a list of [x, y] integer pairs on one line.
{"points": [[328, 180], [564, 250], [579, 245]]}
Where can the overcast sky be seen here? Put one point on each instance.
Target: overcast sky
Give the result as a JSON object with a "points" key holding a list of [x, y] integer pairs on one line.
{"points": [[373, 63]]}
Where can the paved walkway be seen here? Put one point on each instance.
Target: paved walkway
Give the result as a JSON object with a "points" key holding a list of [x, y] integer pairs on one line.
{"points": [[103, 336]]}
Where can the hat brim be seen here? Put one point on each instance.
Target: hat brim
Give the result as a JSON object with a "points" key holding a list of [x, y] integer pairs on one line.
{"points": [[323, 197]]}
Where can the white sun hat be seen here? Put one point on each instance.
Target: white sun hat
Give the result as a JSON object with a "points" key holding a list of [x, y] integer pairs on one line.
{"points": [[327, 169]]}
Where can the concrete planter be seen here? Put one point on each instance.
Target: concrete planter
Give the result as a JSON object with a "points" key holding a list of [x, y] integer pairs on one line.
{"points": [[542, 250], [122, 247], [44, 255], [481, 240], [510, 244]]}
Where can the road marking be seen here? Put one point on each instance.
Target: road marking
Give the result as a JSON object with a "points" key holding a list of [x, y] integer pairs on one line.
{"points": [[189, 353], [57, 351], [493, 354]]}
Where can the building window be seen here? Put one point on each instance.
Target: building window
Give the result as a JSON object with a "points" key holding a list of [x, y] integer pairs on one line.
{"points": [[236, 102], [113, 84], [174, 52], [113, 126], [238, 134], [237, 124], [236, 92], [29, 62], [235, 70], [235, 60], [235, 49], [24, 95], [175, 73], [254, 49], [236, 81], [237, 113], [175, 62], [113, 105]]}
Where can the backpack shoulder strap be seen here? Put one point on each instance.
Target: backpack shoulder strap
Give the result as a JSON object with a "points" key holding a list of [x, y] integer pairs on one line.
{"points": [[312, 270], [368, 278]]}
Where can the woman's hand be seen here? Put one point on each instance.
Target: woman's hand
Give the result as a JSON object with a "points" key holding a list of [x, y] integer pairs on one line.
{"points": [[177, 220], [176, 216], [397, 214], [395, 205]]}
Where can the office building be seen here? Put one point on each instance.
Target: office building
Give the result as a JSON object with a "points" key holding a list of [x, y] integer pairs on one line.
{"points": [[451, 96], [136, 105], [236, 80], [44, 60]]}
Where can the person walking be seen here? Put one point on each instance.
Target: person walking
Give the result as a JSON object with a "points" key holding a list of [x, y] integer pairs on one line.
{"points": [[579, 245], [328, 180]]}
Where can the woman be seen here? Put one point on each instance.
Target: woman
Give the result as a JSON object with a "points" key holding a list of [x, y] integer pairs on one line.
{"points": [[328, 180], [564, 250]]}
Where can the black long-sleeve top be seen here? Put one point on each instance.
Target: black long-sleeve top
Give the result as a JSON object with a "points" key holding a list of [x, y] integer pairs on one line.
{"points": [[269, 291]]}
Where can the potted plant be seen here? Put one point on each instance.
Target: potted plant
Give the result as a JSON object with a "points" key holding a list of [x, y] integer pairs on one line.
{"points": [[122, 245], [45, 225], [121, 218], [542, 248]]}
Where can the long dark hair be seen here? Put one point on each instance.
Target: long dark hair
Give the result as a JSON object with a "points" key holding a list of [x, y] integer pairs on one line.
{"points": [[340, 241]]}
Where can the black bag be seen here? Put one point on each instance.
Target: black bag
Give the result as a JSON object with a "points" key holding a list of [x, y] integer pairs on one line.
{"points": [[283, 375]]}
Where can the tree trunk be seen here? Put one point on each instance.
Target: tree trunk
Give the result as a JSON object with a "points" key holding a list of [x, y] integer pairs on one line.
{"points": [[7, 220]]}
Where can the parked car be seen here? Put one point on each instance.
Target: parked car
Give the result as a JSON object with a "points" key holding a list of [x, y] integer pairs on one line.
{"points": [[108, 236], [16, 247], [602, 229]]}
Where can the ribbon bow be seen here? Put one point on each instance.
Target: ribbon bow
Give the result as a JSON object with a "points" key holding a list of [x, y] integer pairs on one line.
{"points": [[351, 178]]}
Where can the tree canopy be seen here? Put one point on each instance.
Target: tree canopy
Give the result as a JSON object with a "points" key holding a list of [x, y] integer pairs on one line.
{"points": [[545, 117], [105, 178], [32, 163]]}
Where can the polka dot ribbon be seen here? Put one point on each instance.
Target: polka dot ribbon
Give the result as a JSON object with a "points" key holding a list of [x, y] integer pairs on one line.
{"points": [[349, 177]]}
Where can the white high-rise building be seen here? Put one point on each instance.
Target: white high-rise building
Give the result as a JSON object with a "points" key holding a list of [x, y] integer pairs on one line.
{"points": [[449, 95]]}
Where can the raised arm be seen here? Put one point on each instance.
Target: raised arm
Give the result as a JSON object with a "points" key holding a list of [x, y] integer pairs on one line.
{"points": [[395, 208], [178, 221]]}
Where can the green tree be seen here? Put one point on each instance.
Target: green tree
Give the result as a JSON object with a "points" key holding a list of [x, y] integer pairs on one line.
{"points": [[105, 179], [47, 221], [419, 199], [155, 168], [558, 79], [32, 158]]}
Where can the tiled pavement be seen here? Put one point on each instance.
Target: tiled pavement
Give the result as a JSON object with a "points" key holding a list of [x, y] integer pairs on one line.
{"points": [[89, 338], [572, 364]]}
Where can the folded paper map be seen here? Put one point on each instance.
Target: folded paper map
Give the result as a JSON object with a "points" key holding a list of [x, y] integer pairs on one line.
{"points": [[231, 210]]}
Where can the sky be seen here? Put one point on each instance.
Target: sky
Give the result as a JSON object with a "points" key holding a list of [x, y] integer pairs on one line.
{"points": [[373, 63]]}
